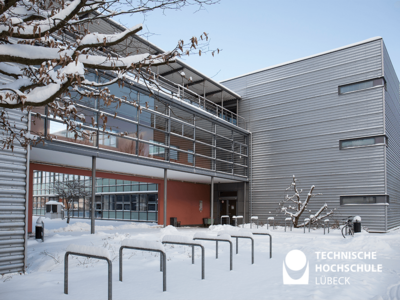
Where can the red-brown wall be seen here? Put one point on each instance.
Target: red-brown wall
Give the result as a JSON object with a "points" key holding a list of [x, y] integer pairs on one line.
{"points": [[183, 198]]}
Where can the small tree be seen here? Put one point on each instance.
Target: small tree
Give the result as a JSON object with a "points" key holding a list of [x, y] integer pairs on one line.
{"points": [[294, 207], [69, 190]]}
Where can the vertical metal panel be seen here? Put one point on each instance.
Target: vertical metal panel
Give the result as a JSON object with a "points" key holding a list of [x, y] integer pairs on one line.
{"points": [[392, 126], [297, 118], [13, 204]]}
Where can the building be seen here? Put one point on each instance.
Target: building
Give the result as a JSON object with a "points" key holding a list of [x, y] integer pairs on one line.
{"points": [[200, 148], [333, 120]]}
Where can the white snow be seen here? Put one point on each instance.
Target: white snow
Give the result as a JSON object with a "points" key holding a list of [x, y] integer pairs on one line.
{"points": [[89, 250], [357, 219], [43, 279], [96, 38], [54, 202], [155, 245], [204, 235], [179, 239], [237, 233], [254, 218]]}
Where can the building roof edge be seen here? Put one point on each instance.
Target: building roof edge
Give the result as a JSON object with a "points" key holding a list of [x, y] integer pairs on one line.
{"points": [[304, 58]]}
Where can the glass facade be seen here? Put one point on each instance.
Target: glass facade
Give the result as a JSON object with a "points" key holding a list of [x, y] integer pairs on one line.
{"points": [[159, 130], [115, 199]]}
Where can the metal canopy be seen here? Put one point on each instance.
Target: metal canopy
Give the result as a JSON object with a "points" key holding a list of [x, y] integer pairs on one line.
{"points": [[193, 79]]}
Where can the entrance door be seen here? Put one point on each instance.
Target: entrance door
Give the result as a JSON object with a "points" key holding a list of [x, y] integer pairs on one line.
{"points": [[228, 208], [232, 210]]}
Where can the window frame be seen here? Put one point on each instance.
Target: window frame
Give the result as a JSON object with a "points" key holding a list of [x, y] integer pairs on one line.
{"points": [[379, 199], [358, 82], [385, 142]]}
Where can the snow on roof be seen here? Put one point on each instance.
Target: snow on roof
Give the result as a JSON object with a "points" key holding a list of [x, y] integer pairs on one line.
{"points": [[154, 245], [89, 250], [304, 58]]}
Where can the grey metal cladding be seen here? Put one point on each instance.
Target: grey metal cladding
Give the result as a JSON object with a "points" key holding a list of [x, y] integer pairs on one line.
{"points": [[392, 124], [13, 166], [297, 118]]}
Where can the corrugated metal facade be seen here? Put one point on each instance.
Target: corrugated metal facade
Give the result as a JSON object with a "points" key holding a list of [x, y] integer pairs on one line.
{"points": [[13, 205], [392, 123], [297, 118]]}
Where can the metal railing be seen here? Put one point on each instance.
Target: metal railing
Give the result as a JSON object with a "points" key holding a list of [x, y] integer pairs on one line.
{"points": [[201, 102]]}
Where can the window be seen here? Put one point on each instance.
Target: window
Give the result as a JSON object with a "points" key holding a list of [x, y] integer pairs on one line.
{"points": [[190, 156], [361, 142], [156, 150], [363, 199], [173, 155], [361, 85]]}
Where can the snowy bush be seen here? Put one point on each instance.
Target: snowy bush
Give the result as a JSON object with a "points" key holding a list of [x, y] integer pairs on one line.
{"points": [[294, 207]]}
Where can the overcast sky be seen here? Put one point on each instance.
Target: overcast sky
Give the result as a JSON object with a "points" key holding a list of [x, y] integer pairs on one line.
{"points": [[258, 34]]}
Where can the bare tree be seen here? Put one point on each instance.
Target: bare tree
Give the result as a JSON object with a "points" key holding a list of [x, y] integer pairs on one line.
{"points": [[46, 50], [294, 207], [70, 190]]}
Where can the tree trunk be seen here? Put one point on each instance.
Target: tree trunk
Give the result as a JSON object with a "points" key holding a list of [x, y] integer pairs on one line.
{"points": [[68, 216]]}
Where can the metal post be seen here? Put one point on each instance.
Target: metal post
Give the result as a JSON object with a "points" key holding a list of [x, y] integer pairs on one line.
{"points": [[161, 262], [120, 264], [244, 203], [231, 250], [202, 262], [165, 197], [212, 201], [164, 259], [92, 224], [66, 273], [237, 245], [192, 254], [109, 279], [216, 250], [252, 251]]}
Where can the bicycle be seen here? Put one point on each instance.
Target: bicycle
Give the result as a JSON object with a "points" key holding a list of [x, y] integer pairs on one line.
{"points": [[348, 228]]}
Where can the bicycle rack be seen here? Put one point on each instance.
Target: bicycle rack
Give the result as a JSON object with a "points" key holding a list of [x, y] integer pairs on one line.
{"points": [[224, 217], [136, 245], [216, 239], [325, 222], [291, 223], [251, 221], [76, 250]]}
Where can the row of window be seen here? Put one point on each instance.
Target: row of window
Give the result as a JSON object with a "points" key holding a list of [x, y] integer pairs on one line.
{"points": [[43, 183], [135, 207], [362, 142], [364, 199], [358, 86]]}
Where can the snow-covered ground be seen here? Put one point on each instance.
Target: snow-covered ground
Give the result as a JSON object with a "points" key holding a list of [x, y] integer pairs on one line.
{"points": [[263, 280]]}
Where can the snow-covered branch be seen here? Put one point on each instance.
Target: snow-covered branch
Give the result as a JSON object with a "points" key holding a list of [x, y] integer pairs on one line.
{"points": [[300, 207]]}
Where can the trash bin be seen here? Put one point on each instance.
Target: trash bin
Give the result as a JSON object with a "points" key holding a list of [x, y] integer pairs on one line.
{"points": [[173, 221], [357, 224], [39, 229]]}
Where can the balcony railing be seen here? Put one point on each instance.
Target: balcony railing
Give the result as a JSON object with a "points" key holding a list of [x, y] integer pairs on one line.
{"points": [[183, 93]]}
